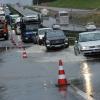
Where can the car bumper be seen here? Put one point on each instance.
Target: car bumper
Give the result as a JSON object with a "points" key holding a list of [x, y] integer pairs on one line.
{"points": [[27, 39], [56, 46], [41, 41], [90, 52], [3, 35]]}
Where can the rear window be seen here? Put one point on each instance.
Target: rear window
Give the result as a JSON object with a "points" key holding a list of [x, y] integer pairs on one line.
{"points": [[42, 32], [55, 34], [89, 37]]}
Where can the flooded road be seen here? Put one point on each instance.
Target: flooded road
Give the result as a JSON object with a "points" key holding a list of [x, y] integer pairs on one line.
{"points": [[36, 75], [33, 77]]}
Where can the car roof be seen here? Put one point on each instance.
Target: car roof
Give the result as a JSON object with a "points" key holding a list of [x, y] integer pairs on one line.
{"points": [[44, 28], [89, 32], [55, 31]]}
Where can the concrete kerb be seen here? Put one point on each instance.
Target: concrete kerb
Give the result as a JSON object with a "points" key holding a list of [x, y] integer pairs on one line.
{"points": [[81, 93]]}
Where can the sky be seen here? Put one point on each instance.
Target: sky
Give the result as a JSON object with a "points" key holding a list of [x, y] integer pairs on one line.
{"points": [[24, 2]]}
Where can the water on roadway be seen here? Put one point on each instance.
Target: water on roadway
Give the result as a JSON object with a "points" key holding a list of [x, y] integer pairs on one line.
{"points": [[36, 76], [28, 79]]}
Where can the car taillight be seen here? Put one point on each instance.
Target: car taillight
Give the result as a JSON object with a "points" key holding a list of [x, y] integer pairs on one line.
{"points": [[5, 29]]}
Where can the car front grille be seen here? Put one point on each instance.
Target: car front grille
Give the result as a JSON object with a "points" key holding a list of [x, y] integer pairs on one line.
{"points": [[97, 46], [92, 46], [60, 41]]}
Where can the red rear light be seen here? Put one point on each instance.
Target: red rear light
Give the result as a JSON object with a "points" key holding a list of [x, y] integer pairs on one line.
{"points": [[5, 28]]}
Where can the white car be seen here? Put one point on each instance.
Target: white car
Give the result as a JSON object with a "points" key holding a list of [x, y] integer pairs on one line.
{"points": [[90, 26], [41, 33], [88, 43]]}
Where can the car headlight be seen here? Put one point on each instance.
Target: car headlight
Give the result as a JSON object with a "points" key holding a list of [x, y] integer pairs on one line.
{"points": [[47, 41], [5, 34], [26, 38], [84, 48], [40, 38]]}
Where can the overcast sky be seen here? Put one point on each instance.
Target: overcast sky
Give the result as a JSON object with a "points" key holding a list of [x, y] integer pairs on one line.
{"points": [[25, 2]]}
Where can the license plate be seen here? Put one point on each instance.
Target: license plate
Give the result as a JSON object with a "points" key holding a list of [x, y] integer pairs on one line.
{"points": [[57, 45]]}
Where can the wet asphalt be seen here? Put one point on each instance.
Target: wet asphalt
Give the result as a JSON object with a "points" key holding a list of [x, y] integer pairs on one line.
{"points": [[34, 77], [30, 78]]}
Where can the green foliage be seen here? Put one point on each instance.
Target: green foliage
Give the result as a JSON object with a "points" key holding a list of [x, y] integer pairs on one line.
{"points": [[76, 3]]}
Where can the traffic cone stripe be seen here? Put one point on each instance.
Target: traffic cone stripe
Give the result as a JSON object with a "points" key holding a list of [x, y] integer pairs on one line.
{"points": [[61, 68], [61, 77], [61, 72], [62, 82], [24, 53]]}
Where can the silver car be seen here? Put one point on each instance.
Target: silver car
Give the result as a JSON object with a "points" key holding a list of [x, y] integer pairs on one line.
{"points": [[88, 43], [41, 33]]}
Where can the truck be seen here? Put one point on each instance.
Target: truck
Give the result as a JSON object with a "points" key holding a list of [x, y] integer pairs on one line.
{"points": [[62, 17], [13, 20], [4, 29], [29, 26]]}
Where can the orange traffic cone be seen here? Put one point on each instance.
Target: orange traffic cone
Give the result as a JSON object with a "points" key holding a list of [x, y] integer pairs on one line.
{"points": [[24, 53], [20, 45], [62, 81], [14, 43]]}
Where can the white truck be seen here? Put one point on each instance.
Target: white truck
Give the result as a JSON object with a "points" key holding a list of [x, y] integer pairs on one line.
{"points": [[62, 17]]}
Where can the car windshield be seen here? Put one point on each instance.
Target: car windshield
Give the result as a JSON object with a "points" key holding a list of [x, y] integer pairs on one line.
{"points": [[89, 37], [55, 34], [31, 27], [43, 31]]}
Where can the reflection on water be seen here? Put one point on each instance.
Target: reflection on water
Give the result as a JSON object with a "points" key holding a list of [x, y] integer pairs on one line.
{"points": [[87, 77], [63, 90]]}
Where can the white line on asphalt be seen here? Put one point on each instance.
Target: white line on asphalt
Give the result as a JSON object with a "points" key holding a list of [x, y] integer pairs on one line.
{"points": [[82, 94]]}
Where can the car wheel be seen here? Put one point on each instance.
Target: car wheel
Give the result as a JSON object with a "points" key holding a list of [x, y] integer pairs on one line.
{"points": [[47, 48], [66, 46], [39, 43]]}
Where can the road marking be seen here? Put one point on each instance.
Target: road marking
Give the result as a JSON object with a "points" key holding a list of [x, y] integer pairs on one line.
{"points": [[81, 93], [84, 95]]}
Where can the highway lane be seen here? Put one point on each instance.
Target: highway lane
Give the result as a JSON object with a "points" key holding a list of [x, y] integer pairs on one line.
{"points": [[41, 67], [51, 20], [36, 76], [31, 77]]}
